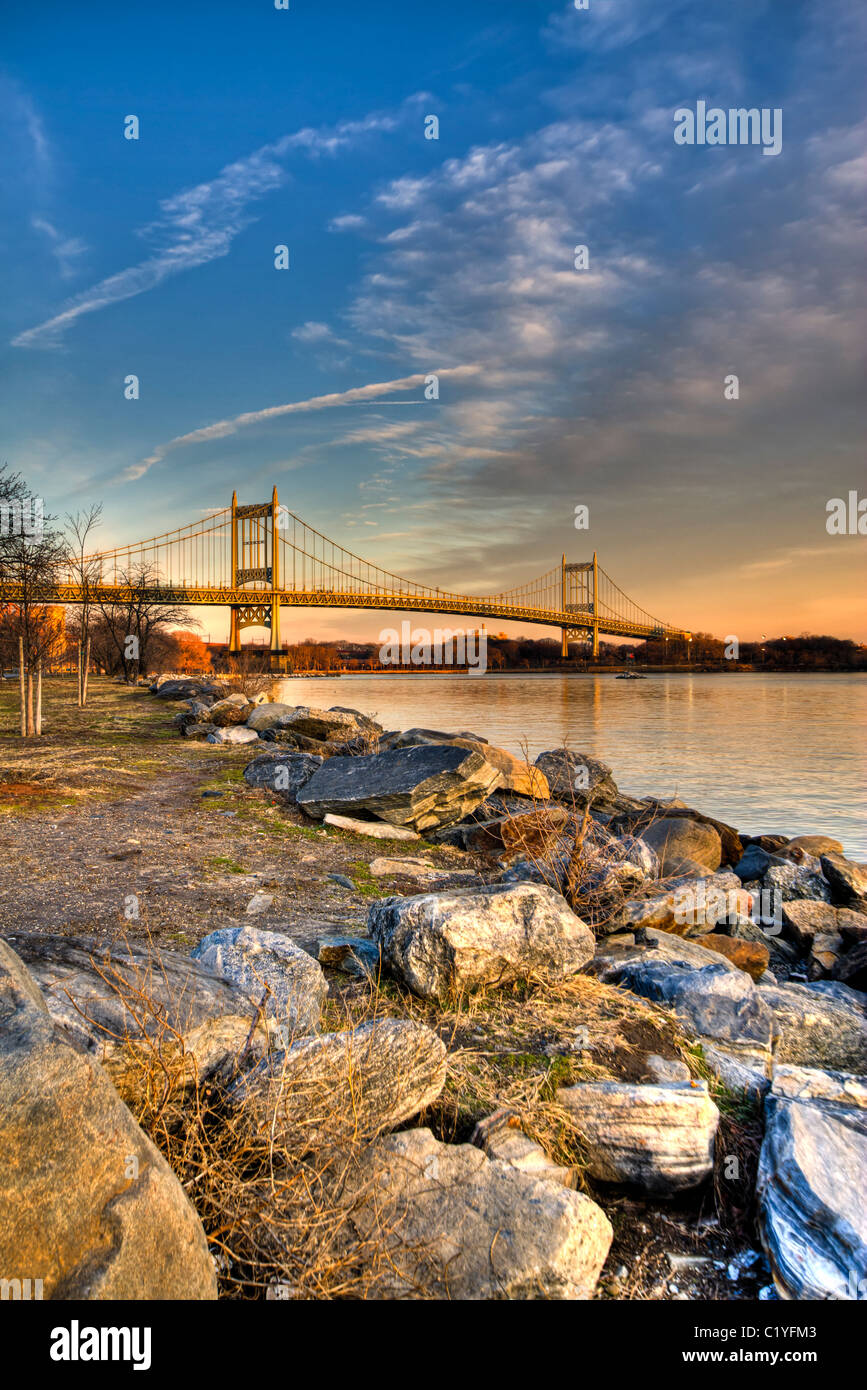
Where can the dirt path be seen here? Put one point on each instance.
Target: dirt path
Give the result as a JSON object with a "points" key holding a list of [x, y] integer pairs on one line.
{"points": [[133, 819]]}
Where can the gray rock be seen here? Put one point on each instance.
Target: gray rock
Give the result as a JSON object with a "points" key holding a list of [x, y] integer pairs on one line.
{"points": [[442, 943], [181, 689], [848, 881], [576, 779], [103, 994], [740, 1067], [811, 1181], [199, 731], [678, 838], [91, 1208], [422, 787], [268, 716], [266, 963], [804, 917], [753, 864], [516, 774], [283, 773], [790, 881], [339, 1088], [461, 1226], [334, 725], [658, 946], [714, 1002], [819, 1025], [657, 1137]]}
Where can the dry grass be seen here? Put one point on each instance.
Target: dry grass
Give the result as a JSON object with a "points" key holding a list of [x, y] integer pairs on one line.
{"points": [[299, 1224]]}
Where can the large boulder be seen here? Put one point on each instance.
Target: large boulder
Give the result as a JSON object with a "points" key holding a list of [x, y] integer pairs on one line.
{"points": [[659, 1138], [848, 881], [422, 787], [651, 809], [576, 779], [327, 730], [819, 1025], [341, 1088], [516, 774], [268, 716], [90, 1206], [283, 773], [680, 838], [272, 970], [101, 995], [811, 1182], [460, 1226], [442, 943]]}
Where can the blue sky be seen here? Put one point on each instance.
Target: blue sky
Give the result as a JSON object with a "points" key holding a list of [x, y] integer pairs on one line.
{"points": [[261, 127]]}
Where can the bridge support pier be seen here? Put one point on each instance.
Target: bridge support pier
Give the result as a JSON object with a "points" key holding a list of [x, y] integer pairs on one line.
{"points": [[234, 632]]}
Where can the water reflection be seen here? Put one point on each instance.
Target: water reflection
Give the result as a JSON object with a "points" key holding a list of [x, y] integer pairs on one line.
{"points": [[764, 752]]}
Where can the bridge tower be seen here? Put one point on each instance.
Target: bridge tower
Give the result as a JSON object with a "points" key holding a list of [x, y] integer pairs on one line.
{"points": [[256, 560], [581, 595]]}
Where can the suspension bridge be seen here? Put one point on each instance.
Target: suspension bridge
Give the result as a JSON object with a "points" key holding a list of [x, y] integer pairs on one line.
{"points": [[260, 558]]}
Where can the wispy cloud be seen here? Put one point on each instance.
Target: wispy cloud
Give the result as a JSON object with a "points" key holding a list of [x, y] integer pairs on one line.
{"points": [[220, 429], [66, 250], [199, 224]]}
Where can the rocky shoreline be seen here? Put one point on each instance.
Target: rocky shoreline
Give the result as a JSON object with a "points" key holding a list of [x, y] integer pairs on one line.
{"points": [[730, 968]]}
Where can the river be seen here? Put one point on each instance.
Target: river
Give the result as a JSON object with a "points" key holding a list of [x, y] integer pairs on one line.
{"points": [[764, 752]]}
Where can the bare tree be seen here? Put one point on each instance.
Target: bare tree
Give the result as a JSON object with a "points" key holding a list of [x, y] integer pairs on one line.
{"points": [[86, 570], [31, 560], [131, 625]]}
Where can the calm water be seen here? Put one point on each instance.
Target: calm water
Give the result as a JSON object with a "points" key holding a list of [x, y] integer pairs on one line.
{"points": [[763, 752]]}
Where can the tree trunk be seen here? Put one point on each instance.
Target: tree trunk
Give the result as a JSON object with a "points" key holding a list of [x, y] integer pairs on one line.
{"points": [[80, 678], [30, 723], [21, 687], [85, 672], [38, 729]]}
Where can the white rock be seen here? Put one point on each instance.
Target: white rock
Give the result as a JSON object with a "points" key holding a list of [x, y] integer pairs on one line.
{"points": [[376, 829], [657, 1137]]}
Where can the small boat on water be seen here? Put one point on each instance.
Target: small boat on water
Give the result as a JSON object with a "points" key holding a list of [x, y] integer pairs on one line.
{"points": [[630, 676]]}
